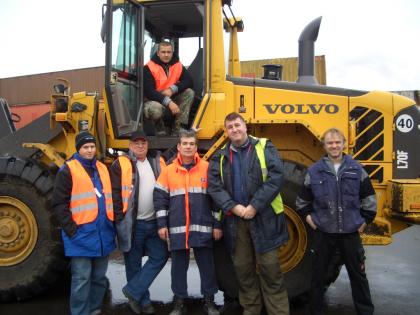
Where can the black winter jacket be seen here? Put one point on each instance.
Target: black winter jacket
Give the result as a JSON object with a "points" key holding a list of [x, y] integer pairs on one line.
{"points": [[268, 229], [185, 81]]}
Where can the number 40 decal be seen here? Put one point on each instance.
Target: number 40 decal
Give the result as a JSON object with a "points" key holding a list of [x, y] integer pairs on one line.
{"points": [[405, 123]]}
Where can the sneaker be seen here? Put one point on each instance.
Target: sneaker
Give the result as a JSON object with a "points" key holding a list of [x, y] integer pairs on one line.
{"points": [[134, 306], [209, 306], [148, 309], [179, 307]]}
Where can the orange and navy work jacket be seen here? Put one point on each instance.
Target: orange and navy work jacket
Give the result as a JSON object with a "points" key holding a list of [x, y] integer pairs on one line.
{"points": [[162, 80], [83, 202], [183, 206]]}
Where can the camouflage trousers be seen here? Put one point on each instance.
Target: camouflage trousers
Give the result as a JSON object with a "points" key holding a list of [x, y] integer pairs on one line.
{"points": [[154, 110]]}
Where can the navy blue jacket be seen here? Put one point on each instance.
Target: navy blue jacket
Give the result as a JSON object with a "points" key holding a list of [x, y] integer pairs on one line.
{"points": [[183, 205], [268, 229], [337, 203], [95, 239]]}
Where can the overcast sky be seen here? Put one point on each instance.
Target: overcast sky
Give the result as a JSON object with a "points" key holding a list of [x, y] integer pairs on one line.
{"points": [[368, 44]]}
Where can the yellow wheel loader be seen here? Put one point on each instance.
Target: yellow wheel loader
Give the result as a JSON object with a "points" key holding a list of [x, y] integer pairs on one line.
{"points": [[382, 131]]}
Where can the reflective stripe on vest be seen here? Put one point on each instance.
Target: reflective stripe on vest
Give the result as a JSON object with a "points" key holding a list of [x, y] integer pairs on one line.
{"points": [[126, 180], [162, 80], [277, 203], [83, 202]]}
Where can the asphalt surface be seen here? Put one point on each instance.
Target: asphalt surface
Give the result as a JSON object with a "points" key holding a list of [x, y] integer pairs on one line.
{"points": [[393, 272]]}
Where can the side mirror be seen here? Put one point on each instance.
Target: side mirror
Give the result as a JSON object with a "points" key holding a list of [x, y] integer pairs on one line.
{"points": [[104, 23]]}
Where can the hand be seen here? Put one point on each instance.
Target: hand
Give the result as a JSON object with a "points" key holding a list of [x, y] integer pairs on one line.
{"points": [[238, 210], [217, 234], [174, 108], [163, 233], [250, 212], [167, 92], [310, 222], [362, 227]]}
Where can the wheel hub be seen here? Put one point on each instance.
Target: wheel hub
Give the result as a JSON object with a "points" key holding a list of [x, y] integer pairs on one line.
{"points": [[18, 231]]}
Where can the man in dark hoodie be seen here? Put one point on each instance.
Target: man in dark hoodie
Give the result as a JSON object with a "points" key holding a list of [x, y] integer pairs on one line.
{"points": [[167, 88]]}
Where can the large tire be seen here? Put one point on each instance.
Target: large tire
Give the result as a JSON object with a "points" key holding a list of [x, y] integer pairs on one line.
{"points": [[298, 278], [31, 255]]}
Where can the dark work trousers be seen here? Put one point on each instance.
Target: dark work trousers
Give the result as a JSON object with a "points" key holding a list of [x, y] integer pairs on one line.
{"points": [[265, 285], [180, 262], [225, 272], [353, 256]]}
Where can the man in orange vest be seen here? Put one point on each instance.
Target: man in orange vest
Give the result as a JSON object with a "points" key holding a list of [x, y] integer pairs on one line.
{"points": [[186, 220], [133, 178], [168, 89], [82, 203]]}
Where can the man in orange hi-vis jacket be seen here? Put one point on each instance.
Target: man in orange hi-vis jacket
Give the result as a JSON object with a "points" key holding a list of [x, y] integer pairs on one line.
{"points": [[186, 220]]}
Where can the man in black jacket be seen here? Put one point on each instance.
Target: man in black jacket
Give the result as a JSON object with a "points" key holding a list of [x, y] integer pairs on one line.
{"points": [[245, 179], [338, 201], [167, 88], [133, 177]]}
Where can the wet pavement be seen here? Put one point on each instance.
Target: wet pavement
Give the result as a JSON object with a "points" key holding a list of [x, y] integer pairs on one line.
{"points": [[393, 272]]}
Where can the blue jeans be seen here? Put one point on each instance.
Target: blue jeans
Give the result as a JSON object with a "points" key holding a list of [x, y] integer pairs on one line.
{"points": [[88, 284], [146, 242]]}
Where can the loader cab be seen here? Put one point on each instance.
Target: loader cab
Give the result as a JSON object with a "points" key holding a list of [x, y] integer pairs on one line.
{"points": [[131, 33]]}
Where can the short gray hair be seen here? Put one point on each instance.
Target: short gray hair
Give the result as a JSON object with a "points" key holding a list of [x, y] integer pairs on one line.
{"points": [[183, 133]]}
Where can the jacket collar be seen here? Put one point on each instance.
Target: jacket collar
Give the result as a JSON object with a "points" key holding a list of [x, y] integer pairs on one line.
{"points": [[85, 162], [178, 160], [225, 150]]}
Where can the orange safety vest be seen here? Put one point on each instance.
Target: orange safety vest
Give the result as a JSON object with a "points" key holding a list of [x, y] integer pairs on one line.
{"points": [[83, 202], [126, 180], [162, 81]]}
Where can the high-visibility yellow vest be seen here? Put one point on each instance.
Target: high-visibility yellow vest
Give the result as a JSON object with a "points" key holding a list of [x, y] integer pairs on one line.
{"points": [[277, 203]]}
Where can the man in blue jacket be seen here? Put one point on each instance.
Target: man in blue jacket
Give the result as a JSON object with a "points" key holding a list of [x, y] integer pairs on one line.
{"points": [[82, 203], [245, 179], [338, 201]]}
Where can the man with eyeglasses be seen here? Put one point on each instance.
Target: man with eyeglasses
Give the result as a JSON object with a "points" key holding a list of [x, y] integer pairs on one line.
{"points": [[133, 178]]}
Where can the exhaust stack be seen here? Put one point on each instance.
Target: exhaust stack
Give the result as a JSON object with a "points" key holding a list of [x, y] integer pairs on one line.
{"points": [[309, 35]]}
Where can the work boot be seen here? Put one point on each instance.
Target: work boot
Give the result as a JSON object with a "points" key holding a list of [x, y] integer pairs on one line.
{"points": [[209, 306], [179, 307], [177, 128], [160, 128], [148, 309], [134, 305], [230, 305]]}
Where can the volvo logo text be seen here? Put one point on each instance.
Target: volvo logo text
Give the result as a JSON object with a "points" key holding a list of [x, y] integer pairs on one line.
{"points": [[301, 108]]}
